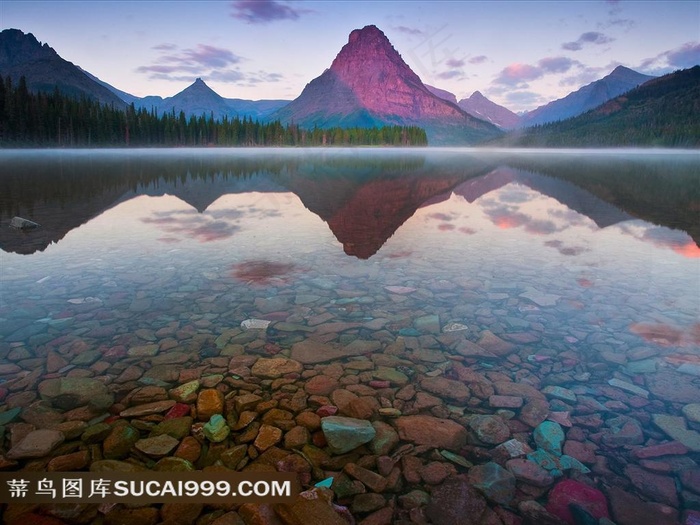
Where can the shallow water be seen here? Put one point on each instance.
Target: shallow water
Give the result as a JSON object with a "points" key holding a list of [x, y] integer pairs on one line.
{"points": [[587, 263]]}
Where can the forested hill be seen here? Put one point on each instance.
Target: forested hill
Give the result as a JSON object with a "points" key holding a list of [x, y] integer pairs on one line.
{"points": [[664, 112], [56, 120]]}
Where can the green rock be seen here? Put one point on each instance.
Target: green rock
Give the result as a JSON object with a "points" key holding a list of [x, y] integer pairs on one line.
{"points": [[96, 433], [676, 428], [68, 393], [157, 446], [86, 358], [495, 482], [550, 437], [456, 458], [113, 465], [691, 412], [344, 434], [385, 439], [118, 443], [392, 375], [173, 464], [216, 429], [177, 428], [558, 392], [185, 391], [9, 416]]}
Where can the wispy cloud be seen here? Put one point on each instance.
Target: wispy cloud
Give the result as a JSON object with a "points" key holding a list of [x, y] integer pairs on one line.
{"points": [[591, 37], [454, 62], [264, 11], [186, 64], [519, 74], [478, 59], [687, 55], [452, 73], [411, 31]]}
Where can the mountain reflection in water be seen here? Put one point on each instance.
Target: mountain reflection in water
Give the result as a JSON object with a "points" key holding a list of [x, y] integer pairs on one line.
{"points": [[363, 195]]}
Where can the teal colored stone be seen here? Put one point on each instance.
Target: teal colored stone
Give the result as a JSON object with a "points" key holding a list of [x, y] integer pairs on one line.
{"points": [[558, 392], [344, 434], [547, 461], [556, 465], [326, 483], [7, 417], [409, 332], [569, 463], [216, 429], [495, 482], [550, 437]]}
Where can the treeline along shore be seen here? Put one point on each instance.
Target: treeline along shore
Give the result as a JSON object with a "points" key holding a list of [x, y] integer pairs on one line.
{"points": [[56, 120]]}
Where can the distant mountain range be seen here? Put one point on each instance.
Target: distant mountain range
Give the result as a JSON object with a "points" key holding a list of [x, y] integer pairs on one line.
{"points": [[369, 84], [620, 81], [663, 112]]}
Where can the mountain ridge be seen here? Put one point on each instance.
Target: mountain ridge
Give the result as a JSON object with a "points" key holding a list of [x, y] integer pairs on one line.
{"points": [[620, 80], [22, 55], [369, 84]]}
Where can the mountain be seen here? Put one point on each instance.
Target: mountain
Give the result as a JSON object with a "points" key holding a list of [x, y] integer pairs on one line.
{"points": [[369, 84], [442, 93], [44, 70], [126, 97], [481, 107], [257, 109], [663, 112], [197, 99], [620, 81]]}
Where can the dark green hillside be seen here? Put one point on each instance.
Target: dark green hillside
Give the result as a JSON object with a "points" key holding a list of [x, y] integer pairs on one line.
{"points": [[664, 112]]}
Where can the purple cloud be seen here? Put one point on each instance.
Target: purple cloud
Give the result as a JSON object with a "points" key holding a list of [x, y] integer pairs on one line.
{"points": [[412, 31], [187, 64], [687, 55], [516, 74], [478, 59], [455, 63], [264, 11], [591, 37], [452, 73]]}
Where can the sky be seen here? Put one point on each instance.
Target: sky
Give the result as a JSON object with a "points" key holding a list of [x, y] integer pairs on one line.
{"points": [[520, 54]]}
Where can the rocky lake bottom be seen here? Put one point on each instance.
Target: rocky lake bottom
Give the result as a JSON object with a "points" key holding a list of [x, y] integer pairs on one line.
{"points": [[475, 348]]}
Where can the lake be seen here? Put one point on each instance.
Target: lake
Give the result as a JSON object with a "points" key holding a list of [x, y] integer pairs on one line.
{"points": [[512, 293]]}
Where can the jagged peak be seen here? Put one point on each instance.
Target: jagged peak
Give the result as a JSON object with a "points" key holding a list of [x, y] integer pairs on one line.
{"points": [[367, 32]]}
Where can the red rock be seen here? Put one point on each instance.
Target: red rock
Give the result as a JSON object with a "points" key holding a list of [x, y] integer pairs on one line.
{"points": [[628, 509], [435, 472], [380, 384], [664, 449], [321, 385], [327, 410], [433, 431], [383, 516], [178, 410], [372, 480], [570, 491], [455, 501], [584, 452], [654, 486]]}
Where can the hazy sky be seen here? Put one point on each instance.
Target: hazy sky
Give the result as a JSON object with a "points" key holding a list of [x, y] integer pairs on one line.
{"points": [[520, 54]]}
